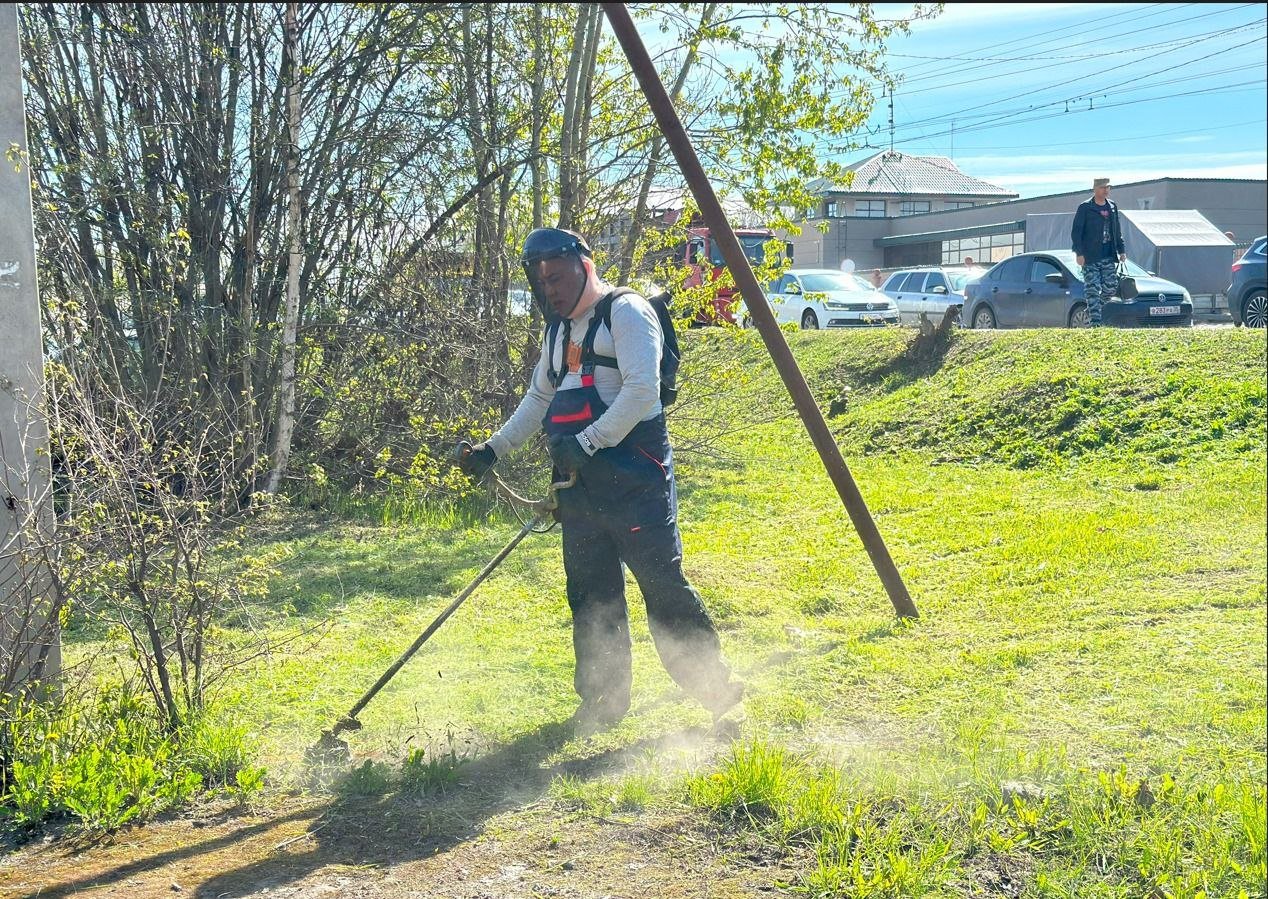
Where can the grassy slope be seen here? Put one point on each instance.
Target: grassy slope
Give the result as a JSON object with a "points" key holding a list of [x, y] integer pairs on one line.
{"points": [[1080, 517]]}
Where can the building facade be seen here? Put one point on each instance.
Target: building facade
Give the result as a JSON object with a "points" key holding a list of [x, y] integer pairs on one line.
{"points": [[991, 231]]}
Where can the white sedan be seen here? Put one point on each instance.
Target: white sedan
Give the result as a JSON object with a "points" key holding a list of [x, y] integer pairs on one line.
{"points": [[825, 298]]}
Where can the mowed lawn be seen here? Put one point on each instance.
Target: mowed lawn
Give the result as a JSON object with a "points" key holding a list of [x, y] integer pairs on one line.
{"points": [[1079, 711]]}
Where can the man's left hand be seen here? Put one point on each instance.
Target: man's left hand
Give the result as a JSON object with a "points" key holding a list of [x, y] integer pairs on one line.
{"points": [[567, 453]]}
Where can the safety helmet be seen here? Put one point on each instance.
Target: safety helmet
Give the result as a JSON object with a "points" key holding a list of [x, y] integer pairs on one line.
{"points": [[544, 244], [548, 243]]}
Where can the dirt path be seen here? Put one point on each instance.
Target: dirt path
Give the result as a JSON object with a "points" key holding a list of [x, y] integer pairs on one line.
{"points": [[496, 836]]}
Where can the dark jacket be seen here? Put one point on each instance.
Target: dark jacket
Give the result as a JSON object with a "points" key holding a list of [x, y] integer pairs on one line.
{"points": [[1085, 235]]}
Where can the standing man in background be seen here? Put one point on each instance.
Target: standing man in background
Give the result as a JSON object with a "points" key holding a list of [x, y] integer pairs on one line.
{"points": [[1097, 241]]}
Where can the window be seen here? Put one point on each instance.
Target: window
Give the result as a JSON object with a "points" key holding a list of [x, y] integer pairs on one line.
{"points": [[834, 209], [1144, 202], [911, 207], [914, 284], [1005, 245], [1014, 270], [984, 250], [892, 282], [815, 283], [869, 209], [1042, 268], [960, 204], [935, 279]]}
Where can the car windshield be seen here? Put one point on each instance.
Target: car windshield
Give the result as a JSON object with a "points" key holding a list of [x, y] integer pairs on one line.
{"points": [[754, 248], [821, 282], [958, 282], [1067, 256]]}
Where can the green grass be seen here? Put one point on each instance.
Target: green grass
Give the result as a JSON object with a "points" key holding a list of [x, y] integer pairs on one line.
{"points": [[1080, 518]]}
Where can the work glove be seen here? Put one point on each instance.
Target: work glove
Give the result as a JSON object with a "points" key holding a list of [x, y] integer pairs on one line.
{"points": [[476, 460], [567, 453]]}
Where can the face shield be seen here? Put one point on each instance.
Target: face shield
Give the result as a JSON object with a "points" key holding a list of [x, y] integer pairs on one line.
{"points": [[556, 274], [557, 284]]}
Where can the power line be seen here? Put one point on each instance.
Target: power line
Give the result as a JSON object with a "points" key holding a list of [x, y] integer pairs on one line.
{"points": [[1102, 38], [1170, 66], [962, 114], [1091, 95], [1065, 59], [1101, 141], [988, 126]]}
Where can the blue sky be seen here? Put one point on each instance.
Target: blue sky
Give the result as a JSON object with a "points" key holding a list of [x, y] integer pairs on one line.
{"points": [[1040, 98]]}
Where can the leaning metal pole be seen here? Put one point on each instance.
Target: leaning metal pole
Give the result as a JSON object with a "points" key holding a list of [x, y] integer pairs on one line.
{"points": [[758, 308]]}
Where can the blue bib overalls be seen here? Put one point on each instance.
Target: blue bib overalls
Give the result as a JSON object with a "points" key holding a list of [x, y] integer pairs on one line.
{"points": [[623, 510]]}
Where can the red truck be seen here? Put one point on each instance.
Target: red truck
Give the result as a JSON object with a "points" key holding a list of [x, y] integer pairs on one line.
{"points": [[702, 256]]}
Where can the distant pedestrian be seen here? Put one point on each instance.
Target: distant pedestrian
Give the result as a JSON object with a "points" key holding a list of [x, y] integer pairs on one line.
{"points": [[1232, 238], [877, 278], [1097, 239], [968, 260]]}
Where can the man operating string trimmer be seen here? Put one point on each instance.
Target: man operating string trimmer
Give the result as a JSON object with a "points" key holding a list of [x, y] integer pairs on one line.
{"points": [[597, 392]]}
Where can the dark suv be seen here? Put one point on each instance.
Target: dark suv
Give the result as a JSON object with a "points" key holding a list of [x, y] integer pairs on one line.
{"points": [[1246, 298]]}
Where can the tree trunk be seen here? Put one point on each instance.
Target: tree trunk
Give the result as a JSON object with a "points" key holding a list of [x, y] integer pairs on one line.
{"points": [[537, 90], [569, 129], [290, 325], [635, 231], [585, 105]]}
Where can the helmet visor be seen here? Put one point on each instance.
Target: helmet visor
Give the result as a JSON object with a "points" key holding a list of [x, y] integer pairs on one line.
{"points": [[557, 284]]}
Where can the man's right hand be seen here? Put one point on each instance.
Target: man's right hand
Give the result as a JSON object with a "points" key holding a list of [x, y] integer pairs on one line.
{"points": [[476, 460]]}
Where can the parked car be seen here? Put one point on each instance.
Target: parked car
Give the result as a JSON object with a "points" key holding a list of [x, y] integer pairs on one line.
{"points": [[1045, 289], [930, 290], [826, 298], [1246, 297]]}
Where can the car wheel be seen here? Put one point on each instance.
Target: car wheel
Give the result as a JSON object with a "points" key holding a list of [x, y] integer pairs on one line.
{"points": [[1080, 317], [809, 321], [983, 318], [1255, 310]]}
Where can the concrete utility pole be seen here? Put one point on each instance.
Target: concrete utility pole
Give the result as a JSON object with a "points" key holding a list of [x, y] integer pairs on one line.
{"points": [[30, 650]]}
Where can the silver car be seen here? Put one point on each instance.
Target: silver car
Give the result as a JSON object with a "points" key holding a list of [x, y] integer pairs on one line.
{"points": [[931, 290]]}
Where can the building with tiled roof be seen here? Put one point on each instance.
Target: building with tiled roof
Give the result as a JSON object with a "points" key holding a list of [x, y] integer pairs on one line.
{"points": [[889, 184]]}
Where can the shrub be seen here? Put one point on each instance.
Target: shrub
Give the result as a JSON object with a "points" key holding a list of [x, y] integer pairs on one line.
{"points": [[110, 761]]}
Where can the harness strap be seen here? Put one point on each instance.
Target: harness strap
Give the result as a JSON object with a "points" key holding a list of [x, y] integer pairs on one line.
{"points": [[589, 359], [557, 376]]}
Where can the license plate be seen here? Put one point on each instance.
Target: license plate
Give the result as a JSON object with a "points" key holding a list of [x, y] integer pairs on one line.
{"points": [[871, 319], [1164, 310]]}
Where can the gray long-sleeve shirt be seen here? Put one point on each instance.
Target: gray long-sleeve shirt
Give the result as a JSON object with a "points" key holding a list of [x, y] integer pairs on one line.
{"points": [[631, 391]]}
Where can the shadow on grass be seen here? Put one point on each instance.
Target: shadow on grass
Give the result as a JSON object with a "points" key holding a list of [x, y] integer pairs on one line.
{"points": [[390, 829], [394, 563], [382, 830], [395, 828]]}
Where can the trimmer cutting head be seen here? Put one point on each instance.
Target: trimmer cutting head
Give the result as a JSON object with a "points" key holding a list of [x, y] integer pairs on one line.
{"points": [[329, 755]]}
